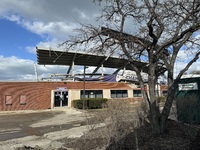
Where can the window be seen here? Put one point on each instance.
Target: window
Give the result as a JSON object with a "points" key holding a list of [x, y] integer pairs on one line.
{"points": [[22, 99], [92, 94], [119, 93], [164, 93], [8, 100], [137, 93]]}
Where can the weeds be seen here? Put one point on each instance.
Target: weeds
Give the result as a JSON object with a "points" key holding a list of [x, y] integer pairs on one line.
{"points": [[117, 119]]}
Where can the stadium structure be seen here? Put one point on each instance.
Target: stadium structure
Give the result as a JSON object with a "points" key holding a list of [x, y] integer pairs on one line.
{"points": [[59, 90]]}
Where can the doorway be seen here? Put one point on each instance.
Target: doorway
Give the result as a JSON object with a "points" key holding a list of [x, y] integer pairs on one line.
{"points": [[60, 98]]}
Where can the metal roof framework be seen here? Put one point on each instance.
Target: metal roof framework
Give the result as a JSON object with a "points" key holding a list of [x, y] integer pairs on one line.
{"points": [[55, 57]]}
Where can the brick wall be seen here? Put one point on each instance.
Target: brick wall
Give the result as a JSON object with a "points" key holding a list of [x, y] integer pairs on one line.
{"points": [[38, 94]]}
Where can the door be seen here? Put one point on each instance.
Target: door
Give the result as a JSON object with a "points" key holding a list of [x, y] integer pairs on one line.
{"points": [[60, 98]]}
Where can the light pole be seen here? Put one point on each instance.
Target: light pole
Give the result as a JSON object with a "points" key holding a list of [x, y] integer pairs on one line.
{"points": [[84, 87]]}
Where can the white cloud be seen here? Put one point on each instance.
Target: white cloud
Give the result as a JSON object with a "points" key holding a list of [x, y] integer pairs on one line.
{"points": [[51, 10], [13, 17], [182, 56], [49, 44], [56, 45], [31, 49], [58, 30], [81, 14], [49, 30], [13, 68], [53, 43]]}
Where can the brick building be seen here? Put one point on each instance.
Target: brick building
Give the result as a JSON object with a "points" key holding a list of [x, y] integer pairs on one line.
{"points": [[46, 95]]}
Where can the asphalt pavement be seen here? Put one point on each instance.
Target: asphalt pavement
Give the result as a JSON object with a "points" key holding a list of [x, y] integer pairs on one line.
{"points": [[40, 127]]}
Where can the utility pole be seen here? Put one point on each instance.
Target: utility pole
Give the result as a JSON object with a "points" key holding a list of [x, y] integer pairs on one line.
{"points": [[84, 87]]}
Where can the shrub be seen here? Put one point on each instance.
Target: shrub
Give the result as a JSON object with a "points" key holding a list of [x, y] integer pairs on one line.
{"points": [[119, 119], [89, 103], [161, 99]]}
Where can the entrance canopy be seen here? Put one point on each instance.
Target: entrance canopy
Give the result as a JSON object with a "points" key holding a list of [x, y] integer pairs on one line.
{"points": [[55, 57]]}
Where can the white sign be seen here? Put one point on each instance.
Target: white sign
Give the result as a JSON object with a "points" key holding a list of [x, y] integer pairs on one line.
{"points": [[188, 86], [61, 88]]}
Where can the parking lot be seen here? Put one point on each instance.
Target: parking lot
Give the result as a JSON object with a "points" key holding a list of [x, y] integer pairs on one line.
{"points": [[45, 128]]}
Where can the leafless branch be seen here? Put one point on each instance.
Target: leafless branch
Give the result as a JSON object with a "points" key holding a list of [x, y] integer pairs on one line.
{"points": [[188, 65]]}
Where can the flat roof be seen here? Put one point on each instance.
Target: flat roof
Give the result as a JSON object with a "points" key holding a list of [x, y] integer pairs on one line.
{"points": [[57, 57]]}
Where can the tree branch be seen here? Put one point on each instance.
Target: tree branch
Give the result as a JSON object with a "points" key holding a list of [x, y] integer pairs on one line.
{"points": [[188, 65]]}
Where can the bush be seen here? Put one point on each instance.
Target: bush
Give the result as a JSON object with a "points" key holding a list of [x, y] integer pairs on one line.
{"points": [[118, 119], [161, 99], [89, 103]]}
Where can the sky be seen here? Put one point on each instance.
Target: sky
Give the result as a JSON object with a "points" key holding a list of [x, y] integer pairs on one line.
{"points": [[25, 24]]}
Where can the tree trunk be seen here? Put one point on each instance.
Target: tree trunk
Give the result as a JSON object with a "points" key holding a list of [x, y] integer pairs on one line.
{"points": [[169, 100], [166, 110], [155, 118], [154, 109]]}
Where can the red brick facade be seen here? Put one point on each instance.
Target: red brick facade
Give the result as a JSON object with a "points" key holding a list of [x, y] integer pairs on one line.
{"points": [[37, 95]]}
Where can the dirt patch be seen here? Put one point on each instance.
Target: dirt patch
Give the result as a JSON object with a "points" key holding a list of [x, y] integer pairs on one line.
{"points": [[179, 136]]}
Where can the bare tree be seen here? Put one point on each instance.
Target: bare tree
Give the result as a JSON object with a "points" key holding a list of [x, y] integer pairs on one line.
{"points": [[195, 72], [154, 31]]}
